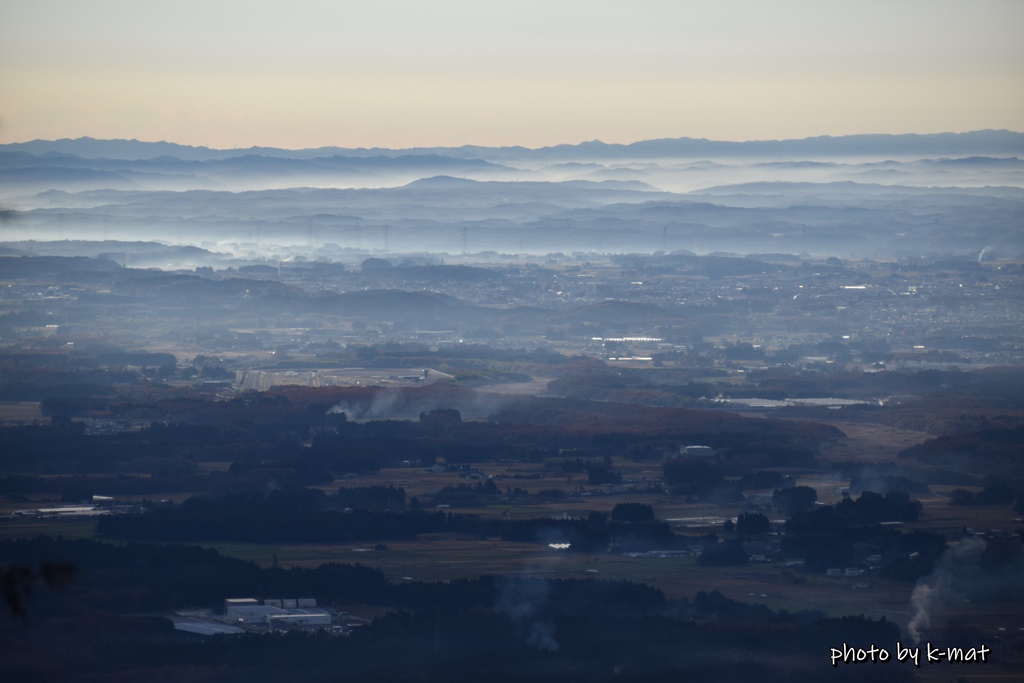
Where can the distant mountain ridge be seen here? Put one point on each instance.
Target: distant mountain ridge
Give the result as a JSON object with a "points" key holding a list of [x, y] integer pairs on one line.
{"points": [[981, 142], [861, 195]]}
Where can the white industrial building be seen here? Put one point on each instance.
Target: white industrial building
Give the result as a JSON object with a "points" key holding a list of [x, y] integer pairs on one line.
{"points": [[207, 628], [275, 613], [699, 451], [299, 618]]}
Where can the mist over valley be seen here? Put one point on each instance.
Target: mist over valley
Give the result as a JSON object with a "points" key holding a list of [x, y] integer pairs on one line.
{"points": [[862, 196], [673, 409]]}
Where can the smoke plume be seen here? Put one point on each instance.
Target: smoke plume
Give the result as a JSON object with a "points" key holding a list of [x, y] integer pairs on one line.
{"points": [[941, 585], [524, 600]]}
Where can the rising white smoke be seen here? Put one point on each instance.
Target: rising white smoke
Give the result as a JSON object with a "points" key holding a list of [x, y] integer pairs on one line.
{"points": [[524, 600], [941, 585], [383, 404]]}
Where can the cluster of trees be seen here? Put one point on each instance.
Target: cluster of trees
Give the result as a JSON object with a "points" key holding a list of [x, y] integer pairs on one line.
{"points": [[752, 524], [372, 497], [841, 535], [716, 480], [632, 512], [874, 508], [990, 450], [63, 446], [468, 495], [730, 553], [297, 515], [597, 467], [256, 518], [869, 508], [77, 382], [794, 499], [990, 495]]}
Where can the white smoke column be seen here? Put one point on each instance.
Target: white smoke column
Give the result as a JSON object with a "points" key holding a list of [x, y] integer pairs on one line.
{"points": [[542, 636], [922, 599], [523, 599], [342, 408], [384, 404], [938, 586]]}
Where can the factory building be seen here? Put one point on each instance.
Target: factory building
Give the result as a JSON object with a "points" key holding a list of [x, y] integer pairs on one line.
{"points": [[698, 451], [299, 618], [275, 613]]}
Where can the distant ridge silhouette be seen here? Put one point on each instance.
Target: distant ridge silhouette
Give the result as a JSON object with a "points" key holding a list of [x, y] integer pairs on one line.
{"points": [[980, 142]]}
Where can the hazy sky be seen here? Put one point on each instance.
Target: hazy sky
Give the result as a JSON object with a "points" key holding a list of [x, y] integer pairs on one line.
{"points": [[399, 73]]}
